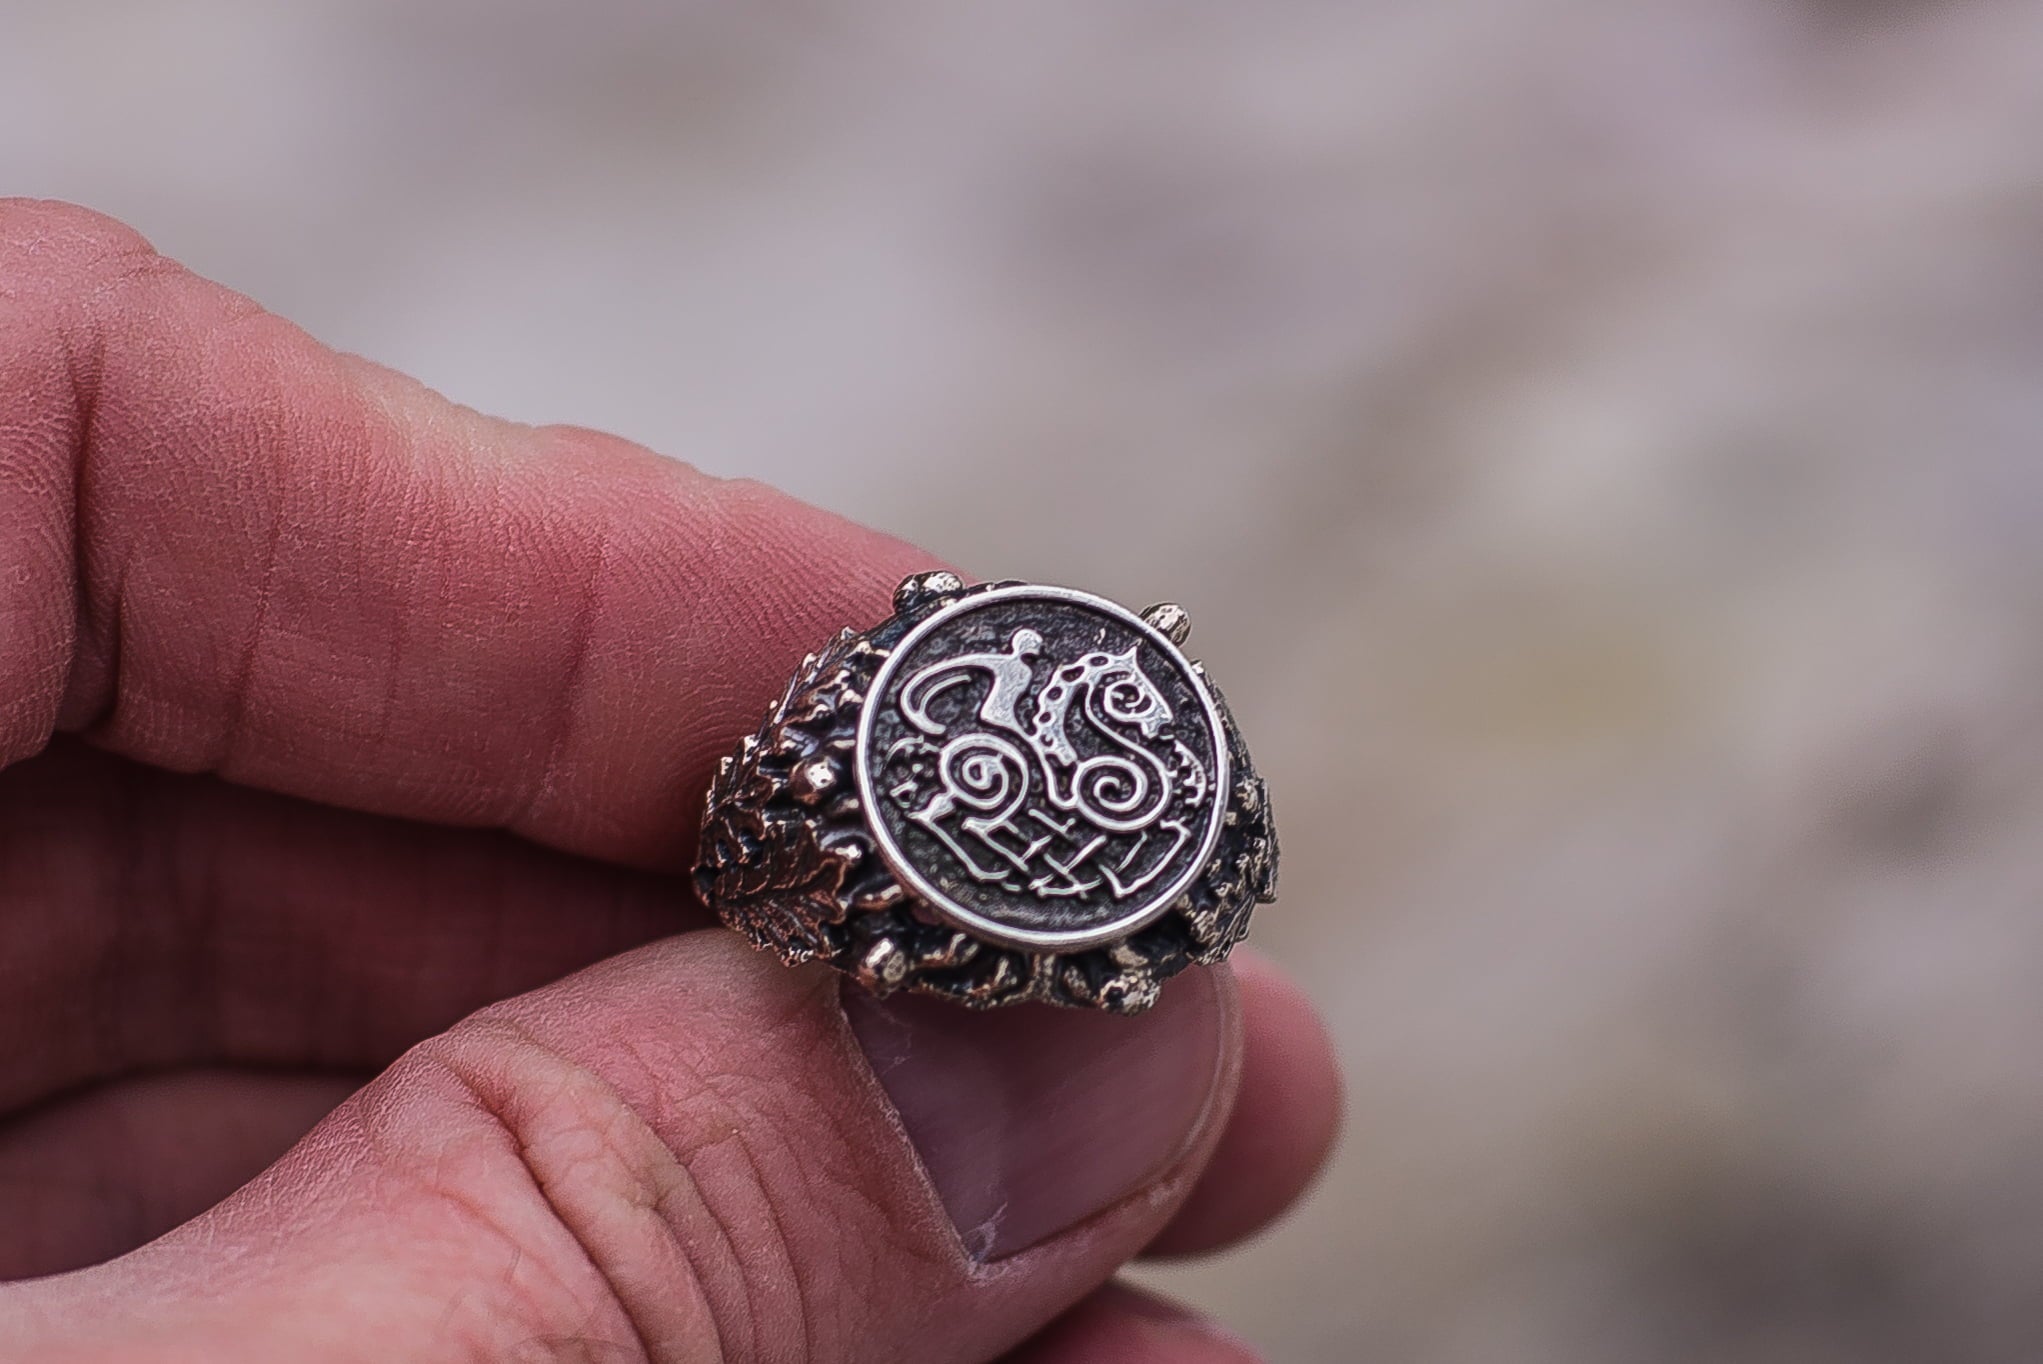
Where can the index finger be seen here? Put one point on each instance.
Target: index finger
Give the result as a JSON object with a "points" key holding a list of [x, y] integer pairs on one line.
{"points": [[226, 548]]}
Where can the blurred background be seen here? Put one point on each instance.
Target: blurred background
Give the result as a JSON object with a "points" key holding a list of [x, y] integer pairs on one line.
{"points": [[1597, 441]]}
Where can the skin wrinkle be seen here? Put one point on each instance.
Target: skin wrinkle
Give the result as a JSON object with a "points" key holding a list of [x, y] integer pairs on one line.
{"points": [[567, 707], [689, 613], [900, 1237], [398, 635], [652, 1192], [567, 1350], [477, 1213], [849, 1288], [110, 631], [84, 371], [820, 1183], [114, 276], [786, 1262], [447, 513], [396, 1159], [362, 499], [98, 634], [705, 1079], [669, 1216], [855, 1261], [24, 461], [106, 285], [235, 695], [683, 1159], [680, 780], [852, 1061], [741, 1098]]}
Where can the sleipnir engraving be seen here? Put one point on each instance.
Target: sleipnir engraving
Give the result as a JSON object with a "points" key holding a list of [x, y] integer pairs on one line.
{"points": [[983, 775]]}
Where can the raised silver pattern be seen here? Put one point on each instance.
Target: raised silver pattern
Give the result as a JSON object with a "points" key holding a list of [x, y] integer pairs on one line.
{"points": [[999, 793]]}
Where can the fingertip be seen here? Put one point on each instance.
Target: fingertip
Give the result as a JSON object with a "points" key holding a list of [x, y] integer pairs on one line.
{"points": [[1124, 1325]]}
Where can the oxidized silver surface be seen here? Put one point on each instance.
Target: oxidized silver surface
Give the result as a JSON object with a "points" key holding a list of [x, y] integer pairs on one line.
{"points": [[1000, 793]]}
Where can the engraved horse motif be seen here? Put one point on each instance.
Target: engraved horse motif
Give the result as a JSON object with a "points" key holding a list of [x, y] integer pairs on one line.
{"points": [[983, 775]]}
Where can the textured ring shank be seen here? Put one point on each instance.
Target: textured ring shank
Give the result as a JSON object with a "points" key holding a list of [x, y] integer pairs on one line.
{"points": [[789, 859]]}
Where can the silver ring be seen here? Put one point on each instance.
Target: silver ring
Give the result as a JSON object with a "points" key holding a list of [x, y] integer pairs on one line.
{"points": [[1000, 793]]}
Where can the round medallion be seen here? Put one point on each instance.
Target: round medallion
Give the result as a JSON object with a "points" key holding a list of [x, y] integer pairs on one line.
{"points": [[1043, 767]]}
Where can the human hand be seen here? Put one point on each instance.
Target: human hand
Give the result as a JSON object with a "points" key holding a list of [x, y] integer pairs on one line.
{"points": [[380, 729]]}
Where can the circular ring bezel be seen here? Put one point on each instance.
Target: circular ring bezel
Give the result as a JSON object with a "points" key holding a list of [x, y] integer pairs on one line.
{"points": [[972, 921]]}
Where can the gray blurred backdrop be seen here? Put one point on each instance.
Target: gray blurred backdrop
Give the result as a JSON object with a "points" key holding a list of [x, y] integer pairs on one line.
{"points": [[1598, 442]]}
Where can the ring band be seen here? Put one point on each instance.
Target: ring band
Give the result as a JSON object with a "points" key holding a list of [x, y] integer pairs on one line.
{"points": [[1000, 793]]}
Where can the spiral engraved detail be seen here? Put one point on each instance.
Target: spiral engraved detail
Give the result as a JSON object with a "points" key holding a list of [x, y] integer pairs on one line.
{"points": [[1054, 821], [1031, 767]]}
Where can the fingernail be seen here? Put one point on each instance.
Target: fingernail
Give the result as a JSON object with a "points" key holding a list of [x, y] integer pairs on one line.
{"points": [[1032, 1119]]}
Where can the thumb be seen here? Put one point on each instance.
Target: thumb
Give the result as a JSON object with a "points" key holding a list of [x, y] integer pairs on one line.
{"points": [[689, 1153]]}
